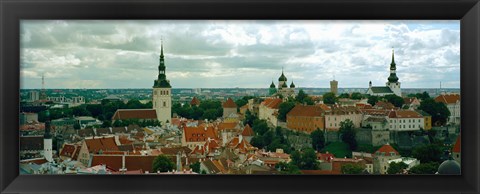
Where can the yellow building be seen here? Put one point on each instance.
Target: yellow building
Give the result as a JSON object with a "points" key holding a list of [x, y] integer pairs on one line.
{"points": [[427, 120]]}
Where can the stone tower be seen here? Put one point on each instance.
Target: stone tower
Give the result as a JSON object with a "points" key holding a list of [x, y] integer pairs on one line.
{"points": [[162, 93]]}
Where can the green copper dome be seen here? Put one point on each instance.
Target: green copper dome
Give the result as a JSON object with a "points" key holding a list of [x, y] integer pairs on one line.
{"points": [[282, 77], [284, 85], [292, 85], [272, 85], [393, 76]]}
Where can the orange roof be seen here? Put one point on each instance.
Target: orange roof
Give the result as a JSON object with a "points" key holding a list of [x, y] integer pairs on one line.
{"points": [[241, 144], [105, 144], [121, 114], [448, 98], [222, 126], [195, 101], [199, 134], [132, 162], [344, 110], [409, 100], [457, 148], [386, 149], [272, 103], [229, 104], [248, 131], [306, 111], [404, 114], [69, 150], [324, 107], [385, 105]]}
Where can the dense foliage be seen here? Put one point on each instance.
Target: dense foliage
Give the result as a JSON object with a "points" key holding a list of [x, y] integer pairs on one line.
{"points": [[163, 164]]}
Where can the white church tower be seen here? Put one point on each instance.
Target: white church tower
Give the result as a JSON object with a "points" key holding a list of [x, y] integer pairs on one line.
{"points": [[393, 83], [47, 140], [162, 94]]}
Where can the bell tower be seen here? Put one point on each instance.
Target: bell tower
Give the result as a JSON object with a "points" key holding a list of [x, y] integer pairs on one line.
{"points": [[162, 93]]}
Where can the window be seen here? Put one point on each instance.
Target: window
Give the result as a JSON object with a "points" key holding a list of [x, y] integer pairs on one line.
{"points": [[164, 103]]}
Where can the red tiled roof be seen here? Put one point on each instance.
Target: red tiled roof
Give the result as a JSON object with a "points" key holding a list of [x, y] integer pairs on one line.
{"points": [[448, 98], [222, 126], [35, 161], [199, 134], [248, 131], [195, 101], [385, 105], [121, 114], [409, 100], [105, 144], [344, 110], [241, 144], [306, 111], [229, 104], [70, 150], [404, 114], [457, 148], [386, 149], [174, 151], [132, 162], [272, 103]]}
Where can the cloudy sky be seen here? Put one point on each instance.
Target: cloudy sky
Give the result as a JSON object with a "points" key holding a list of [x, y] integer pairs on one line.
{"points": [[249, 54]]}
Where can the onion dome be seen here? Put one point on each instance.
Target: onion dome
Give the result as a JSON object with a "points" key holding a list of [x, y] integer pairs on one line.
{"points": [[272, 85], [284, 85], [292, 85], [282, 77]]}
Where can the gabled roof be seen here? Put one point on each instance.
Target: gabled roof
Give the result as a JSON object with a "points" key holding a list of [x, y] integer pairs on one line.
{"points": [[272, 103], [70, 150], [241, 144], [195, 101], [229, 104], [306, 111], [248, 131], [384, 105], [381, 89], [457, 148], [386, 150], [448, 98], [199, 134], [94, 145], [408, 100], [122, 114]]}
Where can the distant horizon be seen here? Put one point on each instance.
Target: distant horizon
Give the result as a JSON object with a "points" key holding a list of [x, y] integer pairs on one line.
{"points": [[211, 88]]}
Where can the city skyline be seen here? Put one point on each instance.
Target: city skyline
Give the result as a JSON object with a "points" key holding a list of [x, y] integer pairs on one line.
{"points": [[243, 54]]}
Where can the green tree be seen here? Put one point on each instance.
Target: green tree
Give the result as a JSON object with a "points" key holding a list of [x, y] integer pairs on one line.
{"points": [[372, 100], [76, 126], [344, 95], [348, 132], [301, 96], [437, 110], [425, 168], [307, 160], [106, 124], [356, 96], [195, 167], [428, 153], [210, 114], [397, 101], [249, 118], [318, 139], [396, 167], [329, 98], [287, 168], [283, 109], [163, 164], [352, 169]]}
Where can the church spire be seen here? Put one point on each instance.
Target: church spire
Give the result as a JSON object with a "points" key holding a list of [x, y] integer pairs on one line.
{"points": [[161, 81], [393, 67], [161, 49]]}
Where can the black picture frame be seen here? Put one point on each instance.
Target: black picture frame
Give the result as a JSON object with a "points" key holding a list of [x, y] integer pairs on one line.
{"points": [[12, 11]]}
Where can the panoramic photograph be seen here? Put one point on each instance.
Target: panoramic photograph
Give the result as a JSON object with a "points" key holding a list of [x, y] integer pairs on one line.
{"points": [[241, 97]]}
